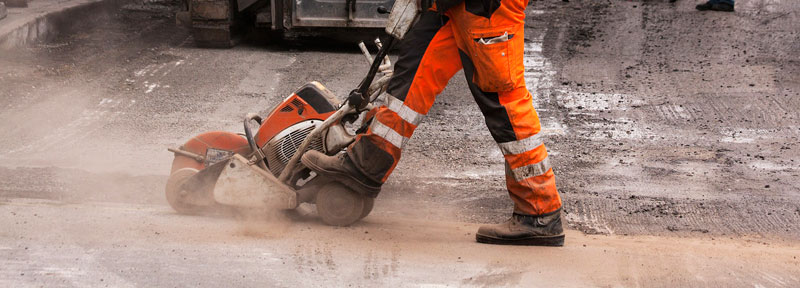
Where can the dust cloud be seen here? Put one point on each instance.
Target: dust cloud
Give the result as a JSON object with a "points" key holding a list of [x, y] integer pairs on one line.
{"points": [[71, 113], [262, 223]]}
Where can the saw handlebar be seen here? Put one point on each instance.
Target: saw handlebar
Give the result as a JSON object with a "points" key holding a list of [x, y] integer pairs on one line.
{"points": [[248, 133], [402, 16], [360, 97]]}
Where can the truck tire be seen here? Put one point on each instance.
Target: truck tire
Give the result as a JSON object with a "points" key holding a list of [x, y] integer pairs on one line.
{"points": [[213, 35], [213, 22]]}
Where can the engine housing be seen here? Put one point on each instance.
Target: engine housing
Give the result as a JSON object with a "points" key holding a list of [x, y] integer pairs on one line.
{"points": [[289, 123]]}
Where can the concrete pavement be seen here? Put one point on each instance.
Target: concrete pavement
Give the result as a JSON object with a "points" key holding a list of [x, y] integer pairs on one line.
{"points": [[673, 133], [38, 20], [150, 246]]}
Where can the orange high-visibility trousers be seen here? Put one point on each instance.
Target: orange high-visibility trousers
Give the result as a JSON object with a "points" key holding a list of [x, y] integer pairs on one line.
{"points": [[488, 43]]}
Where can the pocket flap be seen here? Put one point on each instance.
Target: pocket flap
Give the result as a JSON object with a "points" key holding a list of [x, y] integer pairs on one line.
{"points": [[494, 40], [491, 32]]}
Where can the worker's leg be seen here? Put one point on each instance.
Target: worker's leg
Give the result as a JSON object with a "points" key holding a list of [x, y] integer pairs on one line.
{"points": [[428, 59], [515, 127], [491, 42]]}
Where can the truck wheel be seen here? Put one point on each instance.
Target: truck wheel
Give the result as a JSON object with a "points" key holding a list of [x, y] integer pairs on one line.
{"points": [[214, 22], [213, 35], [178, 197], [337, 205]]}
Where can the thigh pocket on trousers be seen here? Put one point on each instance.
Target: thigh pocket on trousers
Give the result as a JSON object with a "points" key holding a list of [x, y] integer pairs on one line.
{"points": [[497, 56]]}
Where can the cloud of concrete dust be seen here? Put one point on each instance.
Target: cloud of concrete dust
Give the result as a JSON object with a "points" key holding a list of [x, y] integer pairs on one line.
{"points": [[65, 137], [262, 223]]}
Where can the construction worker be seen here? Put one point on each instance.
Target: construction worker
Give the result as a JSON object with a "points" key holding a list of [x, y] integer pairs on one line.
{"points": [[485, 38]]}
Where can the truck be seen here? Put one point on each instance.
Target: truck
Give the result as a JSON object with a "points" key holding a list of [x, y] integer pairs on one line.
{"points": [[217, 23]]}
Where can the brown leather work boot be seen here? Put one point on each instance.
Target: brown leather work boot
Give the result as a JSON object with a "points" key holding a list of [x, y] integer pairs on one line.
{"points": [[340, 168], [542, 230]]}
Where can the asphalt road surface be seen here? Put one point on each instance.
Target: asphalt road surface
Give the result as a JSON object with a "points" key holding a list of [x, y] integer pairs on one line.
{"points": [[673, 134]]}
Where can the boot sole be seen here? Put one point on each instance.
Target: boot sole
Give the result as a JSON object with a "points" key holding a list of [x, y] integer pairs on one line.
{"points": [[555, 241], [344, 178]]}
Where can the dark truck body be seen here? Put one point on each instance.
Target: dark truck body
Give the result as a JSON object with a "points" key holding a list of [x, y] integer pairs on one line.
{"points": [[214, 23]]}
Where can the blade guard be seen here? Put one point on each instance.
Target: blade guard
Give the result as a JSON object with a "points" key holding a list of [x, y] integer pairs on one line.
{"points": [[404, 12], [243, 185]]}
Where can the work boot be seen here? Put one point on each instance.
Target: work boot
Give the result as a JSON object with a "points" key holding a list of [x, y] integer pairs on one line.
{"points": [[340, 168], [542, 230], [725, 7]]}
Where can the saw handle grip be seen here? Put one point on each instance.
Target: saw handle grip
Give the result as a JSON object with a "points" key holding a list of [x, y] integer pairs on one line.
{"points": [[250, 137], [362, 91]]}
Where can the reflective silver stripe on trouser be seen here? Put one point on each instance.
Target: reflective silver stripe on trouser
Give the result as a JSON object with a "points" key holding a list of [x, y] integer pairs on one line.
{"points": [[531, 170], [388, 133], [521, 146], [403, 111]]}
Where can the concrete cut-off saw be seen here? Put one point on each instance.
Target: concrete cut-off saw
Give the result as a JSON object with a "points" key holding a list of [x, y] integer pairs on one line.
{"points": [[262, 170]]}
